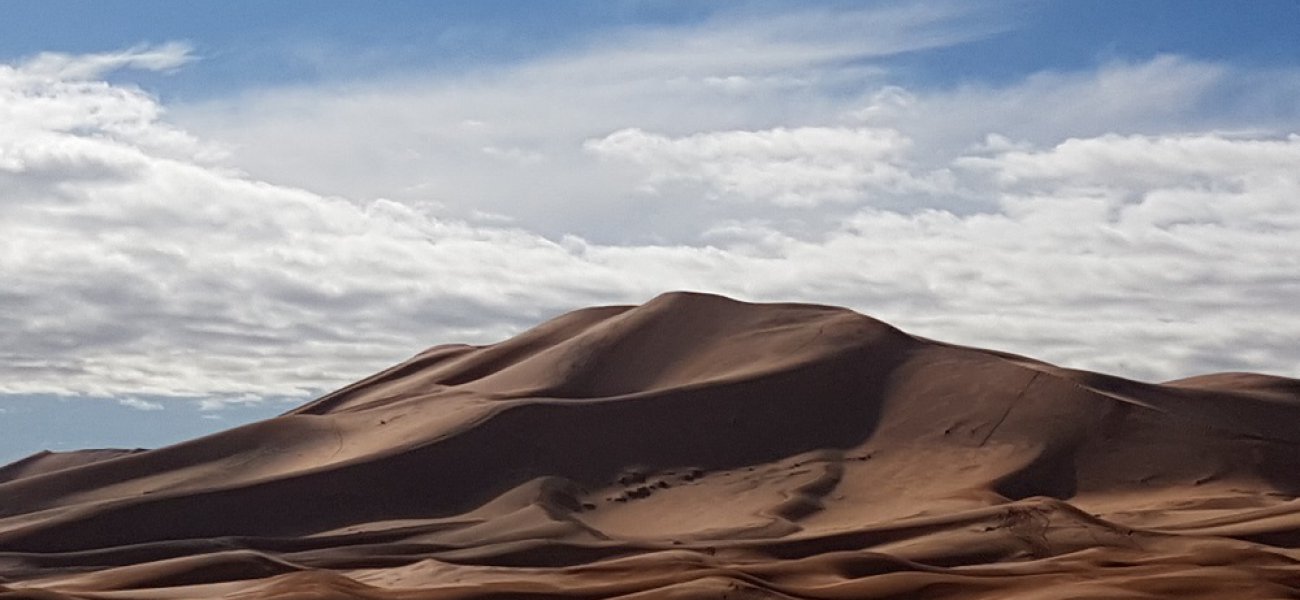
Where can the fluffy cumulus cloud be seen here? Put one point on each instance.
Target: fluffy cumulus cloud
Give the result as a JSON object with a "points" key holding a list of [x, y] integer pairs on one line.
{"points": [[169, 251], [131, 264]]}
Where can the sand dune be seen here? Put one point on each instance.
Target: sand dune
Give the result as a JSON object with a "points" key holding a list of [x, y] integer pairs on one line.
{"points": [[692, 447]]}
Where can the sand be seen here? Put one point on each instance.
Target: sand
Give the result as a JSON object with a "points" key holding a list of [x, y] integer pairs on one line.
{"points": [[692, 447]]}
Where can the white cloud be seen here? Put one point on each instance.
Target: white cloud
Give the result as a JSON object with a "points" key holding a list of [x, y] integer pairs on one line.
{"points": [[804, 166], [508, 140], [54, 95], [138, 404], [347, 229], [60, 66], [1144, 162]]}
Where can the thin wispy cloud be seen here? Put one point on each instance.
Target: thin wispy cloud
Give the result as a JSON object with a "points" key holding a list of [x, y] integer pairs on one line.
{"points": [[139, 404], [164, 57]]}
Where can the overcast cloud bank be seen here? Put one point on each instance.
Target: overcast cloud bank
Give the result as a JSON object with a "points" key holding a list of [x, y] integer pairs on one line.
{"points": [[1142, 218]]}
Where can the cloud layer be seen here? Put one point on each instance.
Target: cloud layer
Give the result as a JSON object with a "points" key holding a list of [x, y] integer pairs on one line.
{"points": [[1139, 219]]}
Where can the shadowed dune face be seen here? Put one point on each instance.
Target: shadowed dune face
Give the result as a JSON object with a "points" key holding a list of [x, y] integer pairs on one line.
{"points": [[692, 447]]}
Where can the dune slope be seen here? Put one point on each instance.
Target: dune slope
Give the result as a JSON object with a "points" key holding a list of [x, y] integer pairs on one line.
{"points": [[692, 447]]}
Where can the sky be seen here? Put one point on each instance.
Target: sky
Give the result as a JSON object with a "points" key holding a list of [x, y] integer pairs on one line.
{"points": [[213, 211]]}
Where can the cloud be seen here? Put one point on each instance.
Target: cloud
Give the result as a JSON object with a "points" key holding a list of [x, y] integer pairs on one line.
{"points": [[508, 140], [1160, 95], [804, 166], [284, 243], [138, 404], [164, 57], [1137, 164]]}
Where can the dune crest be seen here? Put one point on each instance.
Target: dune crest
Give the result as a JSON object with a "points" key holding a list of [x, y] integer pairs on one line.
{"points": [[692, 447]]}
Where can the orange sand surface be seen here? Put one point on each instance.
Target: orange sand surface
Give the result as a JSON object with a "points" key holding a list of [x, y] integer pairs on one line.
{"points": [[692, 447]]}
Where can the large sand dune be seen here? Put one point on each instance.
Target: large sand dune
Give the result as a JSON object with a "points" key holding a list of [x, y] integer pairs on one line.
{"points": [[692, 447]]}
